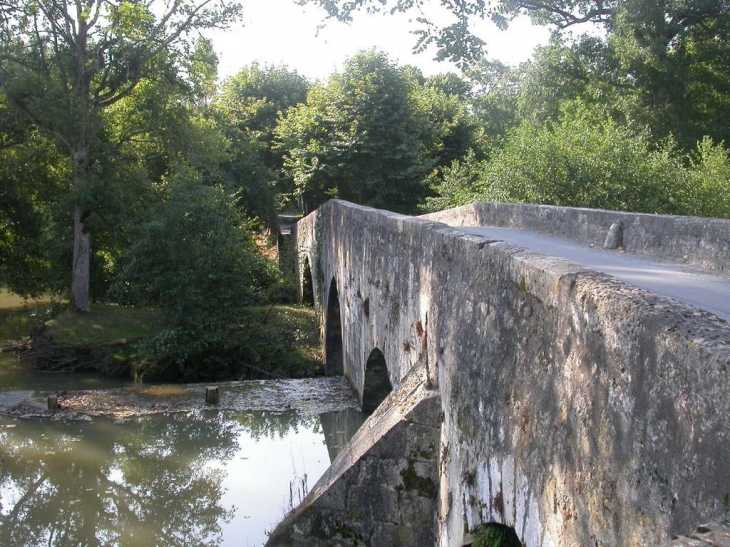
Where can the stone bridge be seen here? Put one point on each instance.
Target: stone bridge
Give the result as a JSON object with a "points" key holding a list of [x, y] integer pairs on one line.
{"points": [[521, 393]]}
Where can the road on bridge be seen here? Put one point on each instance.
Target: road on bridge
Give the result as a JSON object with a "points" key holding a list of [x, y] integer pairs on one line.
{"points": [[708, 291]]}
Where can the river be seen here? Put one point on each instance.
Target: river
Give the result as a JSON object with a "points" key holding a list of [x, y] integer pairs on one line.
{"points": [[198, 478], [155, 465]]}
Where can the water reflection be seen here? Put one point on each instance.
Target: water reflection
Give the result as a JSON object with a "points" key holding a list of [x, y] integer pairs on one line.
{"points": [[339, 427], [213, 478]]}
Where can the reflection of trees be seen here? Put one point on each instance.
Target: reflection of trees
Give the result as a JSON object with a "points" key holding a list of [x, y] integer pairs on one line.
{"points": [[276, 424], [144, 483]]}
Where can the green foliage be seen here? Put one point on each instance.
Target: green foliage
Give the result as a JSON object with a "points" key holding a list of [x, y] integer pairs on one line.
{"points": [[279, 341], [370, 136], [63, 64], [195, 261], [458, 184], [675, 57], [456, 41], [34, 180], [247, 109], [574, 163], [494, 97], [256, 96], [585, 71], [708, 181], [583, 163], [660, 65], [450, 128]]}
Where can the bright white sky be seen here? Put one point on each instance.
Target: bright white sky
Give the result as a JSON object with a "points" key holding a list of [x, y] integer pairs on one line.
{"points": [[277, 32]]}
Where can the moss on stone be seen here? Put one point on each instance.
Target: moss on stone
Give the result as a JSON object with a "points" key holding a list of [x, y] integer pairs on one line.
{"points": [[412, 481]]}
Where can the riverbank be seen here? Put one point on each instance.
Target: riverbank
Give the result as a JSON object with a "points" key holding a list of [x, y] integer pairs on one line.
{"points": [[277, 341]]}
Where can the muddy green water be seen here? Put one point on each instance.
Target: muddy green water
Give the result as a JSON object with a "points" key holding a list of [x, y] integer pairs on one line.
{"points": [[194, 479]]}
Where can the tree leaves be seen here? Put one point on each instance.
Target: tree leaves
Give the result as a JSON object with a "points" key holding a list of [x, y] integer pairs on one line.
{"points": [[371, 135]]}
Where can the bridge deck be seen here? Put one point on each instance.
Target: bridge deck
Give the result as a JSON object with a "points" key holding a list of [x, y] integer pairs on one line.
{"points": [[708, 291]]}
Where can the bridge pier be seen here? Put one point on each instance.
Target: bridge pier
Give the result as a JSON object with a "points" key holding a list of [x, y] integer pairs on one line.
{"points": [[381, 490]]}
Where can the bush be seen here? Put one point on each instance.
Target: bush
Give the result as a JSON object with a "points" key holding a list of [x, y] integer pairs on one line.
{"points": [[707, 192], [577, 162], [196, 262]]}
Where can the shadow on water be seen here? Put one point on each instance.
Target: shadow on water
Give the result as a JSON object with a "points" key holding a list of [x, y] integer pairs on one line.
{"points": [[202, 478]]}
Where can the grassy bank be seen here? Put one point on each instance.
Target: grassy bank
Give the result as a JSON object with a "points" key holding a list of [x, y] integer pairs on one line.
{"points": [[105, 323], [18, 315], [273, 341]]}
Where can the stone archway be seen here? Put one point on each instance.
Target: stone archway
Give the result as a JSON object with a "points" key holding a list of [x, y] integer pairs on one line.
{"points": [[493, 534], [334, 365], [377, 384], [307, 284]]}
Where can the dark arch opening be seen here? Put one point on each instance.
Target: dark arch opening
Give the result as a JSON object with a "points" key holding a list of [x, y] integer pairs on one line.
{"points": [[333, 364], [307, 284], [377, 384], [494, 535]]}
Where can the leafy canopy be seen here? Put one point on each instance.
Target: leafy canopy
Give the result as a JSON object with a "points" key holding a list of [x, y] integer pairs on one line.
{"points": [[372, 134], [63, 63]]}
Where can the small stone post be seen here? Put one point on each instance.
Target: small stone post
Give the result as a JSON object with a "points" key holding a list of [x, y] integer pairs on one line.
{"points": [[615, 236], [212, 396]]}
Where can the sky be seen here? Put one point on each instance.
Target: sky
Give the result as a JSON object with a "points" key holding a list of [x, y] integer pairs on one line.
{"points": [[277, 32]]}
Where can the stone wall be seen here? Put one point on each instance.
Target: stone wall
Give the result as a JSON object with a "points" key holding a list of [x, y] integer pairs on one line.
{"points": [[703, 242], [576, 409]]}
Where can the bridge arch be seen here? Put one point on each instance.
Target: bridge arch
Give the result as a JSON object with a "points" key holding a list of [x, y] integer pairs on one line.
{"points": [[494, 533], [333, 364], [307, 284], [376, 386]]}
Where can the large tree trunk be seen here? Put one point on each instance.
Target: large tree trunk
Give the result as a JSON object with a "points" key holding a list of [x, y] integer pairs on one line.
{"points": [[81, 270], [81, 262]]}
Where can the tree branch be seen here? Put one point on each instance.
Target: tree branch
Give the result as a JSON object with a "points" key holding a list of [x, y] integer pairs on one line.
{"points": [[600, 14]]}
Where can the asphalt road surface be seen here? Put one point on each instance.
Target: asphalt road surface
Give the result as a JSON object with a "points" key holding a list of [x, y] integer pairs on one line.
{"points": [[708, 291]]}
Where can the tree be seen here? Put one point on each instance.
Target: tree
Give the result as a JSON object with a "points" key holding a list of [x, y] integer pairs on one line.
{"points": [[30, 189], [456, 41], [362, 137], [195, 262], [494, 102], [667, 62], [247, 110], [675, 54], [576, 162], [64, 62], [444, 100]]}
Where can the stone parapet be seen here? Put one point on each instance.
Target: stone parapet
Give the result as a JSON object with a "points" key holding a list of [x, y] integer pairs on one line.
{"points": [[700, 242]]}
